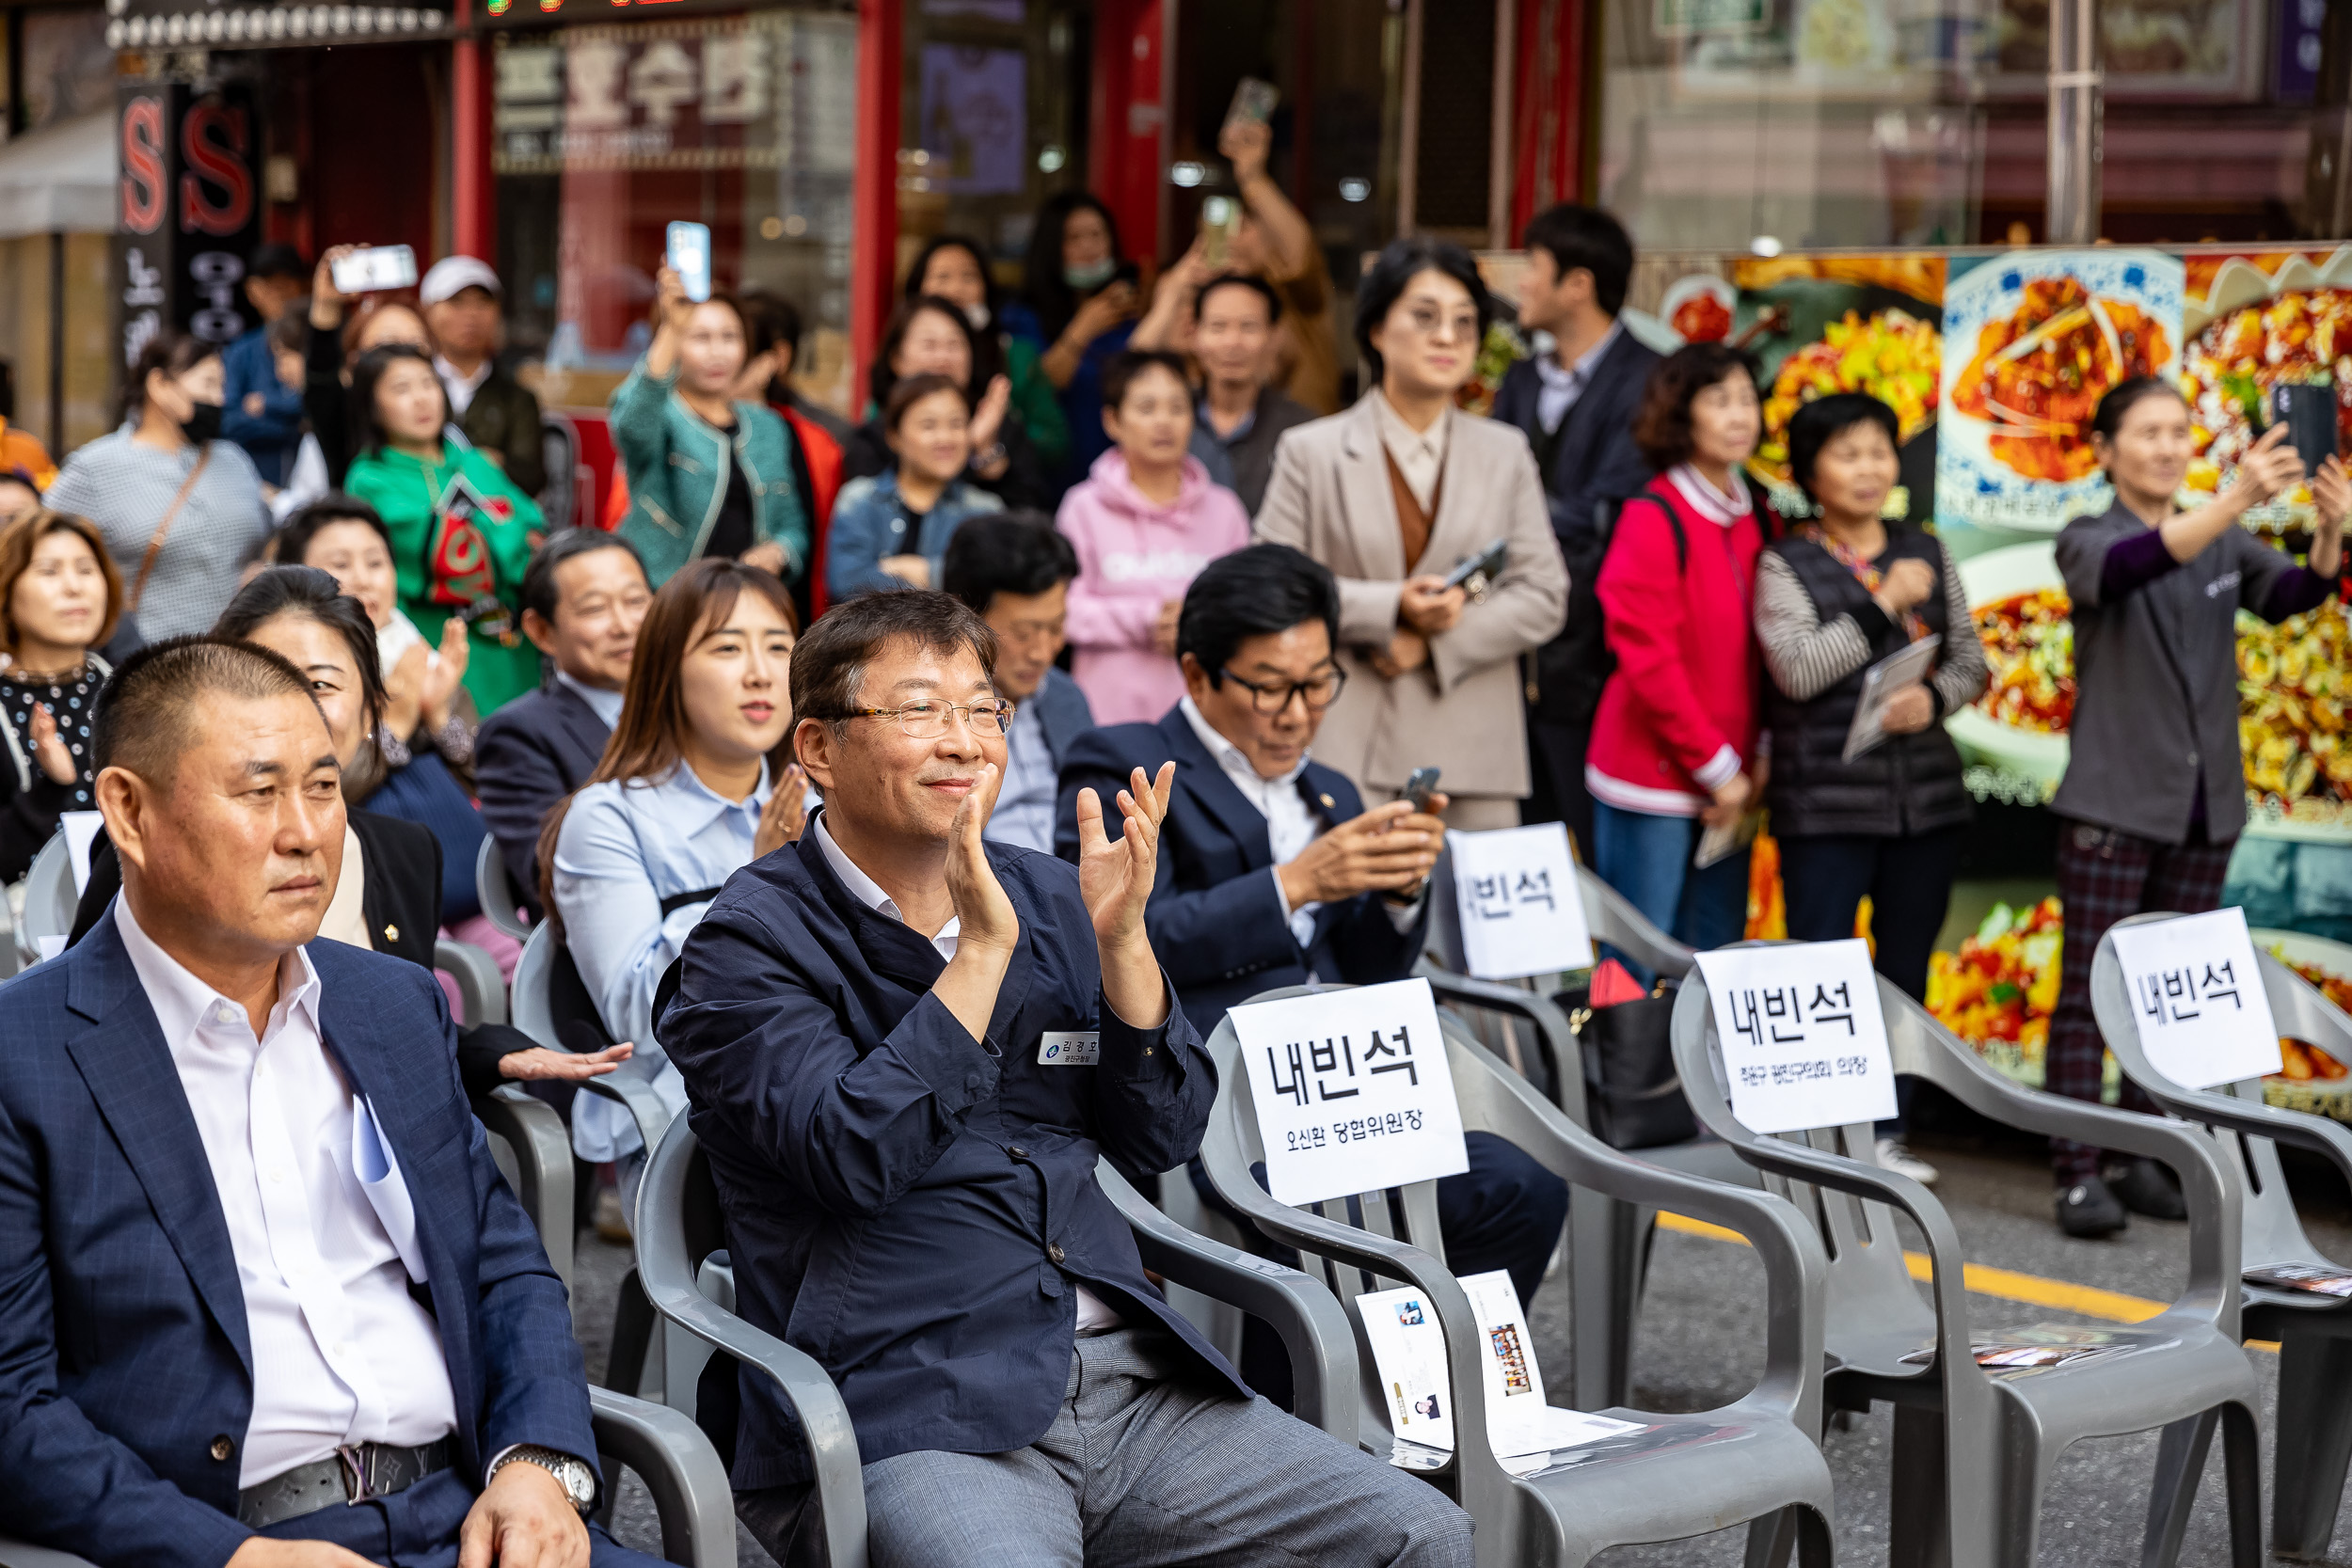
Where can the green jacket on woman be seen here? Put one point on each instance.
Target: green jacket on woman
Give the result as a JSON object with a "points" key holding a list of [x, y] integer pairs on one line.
{"points": [[676, 463], [439, 575]]}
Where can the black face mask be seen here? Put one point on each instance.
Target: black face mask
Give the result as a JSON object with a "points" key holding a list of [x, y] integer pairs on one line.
{"points": [[203, 423]]}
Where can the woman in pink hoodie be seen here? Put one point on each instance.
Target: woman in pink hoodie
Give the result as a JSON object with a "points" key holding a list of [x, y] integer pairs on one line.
{"points": [[1144, 522]]}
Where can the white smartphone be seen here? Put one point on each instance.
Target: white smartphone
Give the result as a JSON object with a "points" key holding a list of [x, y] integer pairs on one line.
{"points": [[375, 268], [688, 253]]}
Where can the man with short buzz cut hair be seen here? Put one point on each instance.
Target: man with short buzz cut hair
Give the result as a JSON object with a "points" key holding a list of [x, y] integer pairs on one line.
{"points": [[1236, 318], [1015, 570], [905, 1050], [1576, 404], [256, 1262], [1272, 873], [583, 597]]}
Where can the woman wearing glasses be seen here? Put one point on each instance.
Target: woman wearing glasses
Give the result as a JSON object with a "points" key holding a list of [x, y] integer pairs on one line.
{"points": [[1394, 495], [681, 801]]}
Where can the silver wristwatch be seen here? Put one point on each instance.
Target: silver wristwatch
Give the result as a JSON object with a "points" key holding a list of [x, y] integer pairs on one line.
{"points": [[577, 1480]]}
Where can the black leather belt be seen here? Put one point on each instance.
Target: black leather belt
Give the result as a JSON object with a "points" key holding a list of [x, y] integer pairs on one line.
{"points": [[353, 1474]]}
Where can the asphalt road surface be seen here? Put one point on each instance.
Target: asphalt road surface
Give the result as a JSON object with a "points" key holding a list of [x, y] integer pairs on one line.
{"points": [[1699, 1343]]}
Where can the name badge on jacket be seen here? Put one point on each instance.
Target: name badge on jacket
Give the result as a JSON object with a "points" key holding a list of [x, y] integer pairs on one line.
{"points": [[1070, 1047]]}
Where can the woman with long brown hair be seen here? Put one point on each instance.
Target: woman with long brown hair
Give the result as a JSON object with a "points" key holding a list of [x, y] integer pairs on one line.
{"points": [[681, 801]]}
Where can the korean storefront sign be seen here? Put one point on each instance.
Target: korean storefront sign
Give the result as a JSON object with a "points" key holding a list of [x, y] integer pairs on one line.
{"points": [[760, 91], [190, 212]]}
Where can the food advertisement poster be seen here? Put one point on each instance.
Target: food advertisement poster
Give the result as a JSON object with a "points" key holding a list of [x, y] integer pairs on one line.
{"points": [[2034, 340], [1827, 324], [2250, 325]]}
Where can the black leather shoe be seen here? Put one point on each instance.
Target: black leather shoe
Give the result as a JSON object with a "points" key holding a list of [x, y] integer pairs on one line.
{"points": [[2147, 1188], [2086, 1209]]}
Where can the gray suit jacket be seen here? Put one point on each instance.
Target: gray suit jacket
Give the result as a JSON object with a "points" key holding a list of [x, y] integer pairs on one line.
{"points": [[1329, 497]]}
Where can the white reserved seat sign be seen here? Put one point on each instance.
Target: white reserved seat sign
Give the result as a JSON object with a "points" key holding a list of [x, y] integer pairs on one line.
{"points": [[1804, 1041], [2197, 993], [1353, 1090], [1521, 915]]}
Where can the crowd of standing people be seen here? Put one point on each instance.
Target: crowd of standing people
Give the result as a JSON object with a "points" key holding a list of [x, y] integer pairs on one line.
{"points": [[833, 695]]}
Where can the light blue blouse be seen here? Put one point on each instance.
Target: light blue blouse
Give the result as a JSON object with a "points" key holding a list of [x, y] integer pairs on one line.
{"points": [[624, 849]]}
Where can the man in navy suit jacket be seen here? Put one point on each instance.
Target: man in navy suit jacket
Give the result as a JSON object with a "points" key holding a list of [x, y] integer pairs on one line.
{"points": [[255, 1256], [583, 597], [1015, 570], [1272, 873], [1577, 405], [906, 1049]]}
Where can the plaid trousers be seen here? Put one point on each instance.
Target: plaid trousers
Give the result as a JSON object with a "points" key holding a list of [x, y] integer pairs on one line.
{"points": [[2105, 876]]}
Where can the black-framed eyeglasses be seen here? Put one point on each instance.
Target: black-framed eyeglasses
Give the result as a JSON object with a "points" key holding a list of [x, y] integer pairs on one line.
{"points": [[1318, 693], [927, 719]]}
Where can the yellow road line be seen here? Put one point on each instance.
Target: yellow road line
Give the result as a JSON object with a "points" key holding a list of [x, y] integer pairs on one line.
{"points": [[2001, 1283]]}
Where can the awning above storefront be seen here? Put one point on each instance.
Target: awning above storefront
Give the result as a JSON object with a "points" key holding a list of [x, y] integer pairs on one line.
{"points": [[148, 23], [60, 179]]}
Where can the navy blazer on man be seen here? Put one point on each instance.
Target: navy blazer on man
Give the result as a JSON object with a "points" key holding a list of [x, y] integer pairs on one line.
{"points": [[126, 1379], [906, 1204], [1597, 459], [531, 753], [1215, 916]]}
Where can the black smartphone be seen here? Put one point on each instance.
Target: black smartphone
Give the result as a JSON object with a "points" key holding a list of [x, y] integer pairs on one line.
{"points": [[1477, 572], [1423, 784], [2308, 409]]}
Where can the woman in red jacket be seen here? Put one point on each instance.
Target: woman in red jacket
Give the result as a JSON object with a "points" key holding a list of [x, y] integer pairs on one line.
{"points": [[1674, 747]]}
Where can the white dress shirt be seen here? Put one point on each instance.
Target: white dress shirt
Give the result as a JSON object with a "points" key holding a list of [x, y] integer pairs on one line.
{"points": [[1561, 386], [1025, 806], [625, 847], [461, 388], [604, 704], [1094, 1314], [318, 1216], [1419, 455], [1291, 824]]}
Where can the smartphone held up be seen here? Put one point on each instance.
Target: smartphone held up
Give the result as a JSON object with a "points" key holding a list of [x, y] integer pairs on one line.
{"points": [[373, 269], [686, 252]]}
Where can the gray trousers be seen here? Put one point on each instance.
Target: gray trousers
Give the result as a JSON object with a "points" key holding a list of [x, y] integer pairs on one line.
{"points": [[1140, 1470]]}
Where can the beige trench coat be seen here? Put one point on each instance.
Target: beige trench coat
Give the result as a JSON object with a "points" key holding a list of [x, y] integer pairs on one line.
{"points": [[1464, 711]]}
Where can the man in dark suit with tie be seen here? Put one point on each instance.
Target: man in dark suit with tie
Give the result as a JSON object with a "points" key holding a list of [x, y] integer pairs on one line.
{"points": [[1271, 872], [1576, 404], [1015, 570], [583, 595], [257, 1264]]}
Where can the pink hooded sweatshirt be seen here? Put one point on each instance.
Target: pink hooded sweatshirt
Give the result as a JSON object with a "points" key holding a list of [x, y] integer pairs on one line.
{"points": [[1134, 555]]}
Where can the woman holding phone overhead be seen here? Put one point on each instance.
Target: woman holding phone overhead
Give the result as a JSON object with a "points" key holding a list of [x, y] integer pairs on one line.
{"points": [[2154, 794], [1841, 594], [710, 474]]}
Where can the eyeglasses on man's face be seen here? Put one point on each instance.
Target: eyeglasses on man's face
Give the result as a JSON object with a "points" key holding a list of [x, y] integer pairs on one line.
{"points": [[1318, 692], [928, 719]]}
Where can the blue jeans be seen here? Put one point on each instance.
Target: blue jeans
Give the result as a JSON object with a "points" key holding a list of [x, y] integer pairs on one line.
{"points": [[1647, 859]]}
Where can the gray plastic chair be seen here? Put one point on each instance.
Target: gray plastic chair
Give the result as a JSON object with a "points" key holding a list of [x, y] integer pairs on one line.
{"points": [[495, 888], [1609, 1242], [49, 900], [676, 1461], [1753, 1461], [480, 989], [1974, 1450], [691, 1284], [2313, 1444], [533, 1150]]}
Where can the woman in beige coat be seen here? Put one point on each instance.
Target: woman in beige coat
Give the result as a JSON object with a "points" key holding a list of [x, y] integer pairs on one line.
{"points": [[1392, 496]]}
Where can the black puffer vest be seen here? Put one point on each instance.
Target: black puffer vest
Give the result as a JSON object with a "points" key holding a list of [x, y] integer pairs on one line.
{"points": [[1910, 784]]}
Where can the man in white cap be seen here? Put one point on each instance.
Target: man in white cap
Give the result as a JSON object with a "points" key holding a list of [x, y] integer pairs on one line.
{"points": [[499, 414]]}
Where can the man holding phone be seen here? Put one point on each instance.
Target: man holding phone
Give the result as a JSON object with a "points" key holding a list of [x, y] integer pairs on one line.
{"points": [[1271, 872]]}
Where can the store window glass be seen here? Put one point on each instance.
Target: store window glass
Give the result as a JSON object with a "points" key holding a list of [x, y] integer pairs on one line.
{"points": [[607, 134], [1809, 122], [994, 121]]}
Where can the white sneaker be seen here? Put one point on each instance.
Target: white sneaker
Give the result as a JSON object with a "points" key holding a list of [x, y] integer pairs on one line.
{"points": [[1894, 1157]]}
